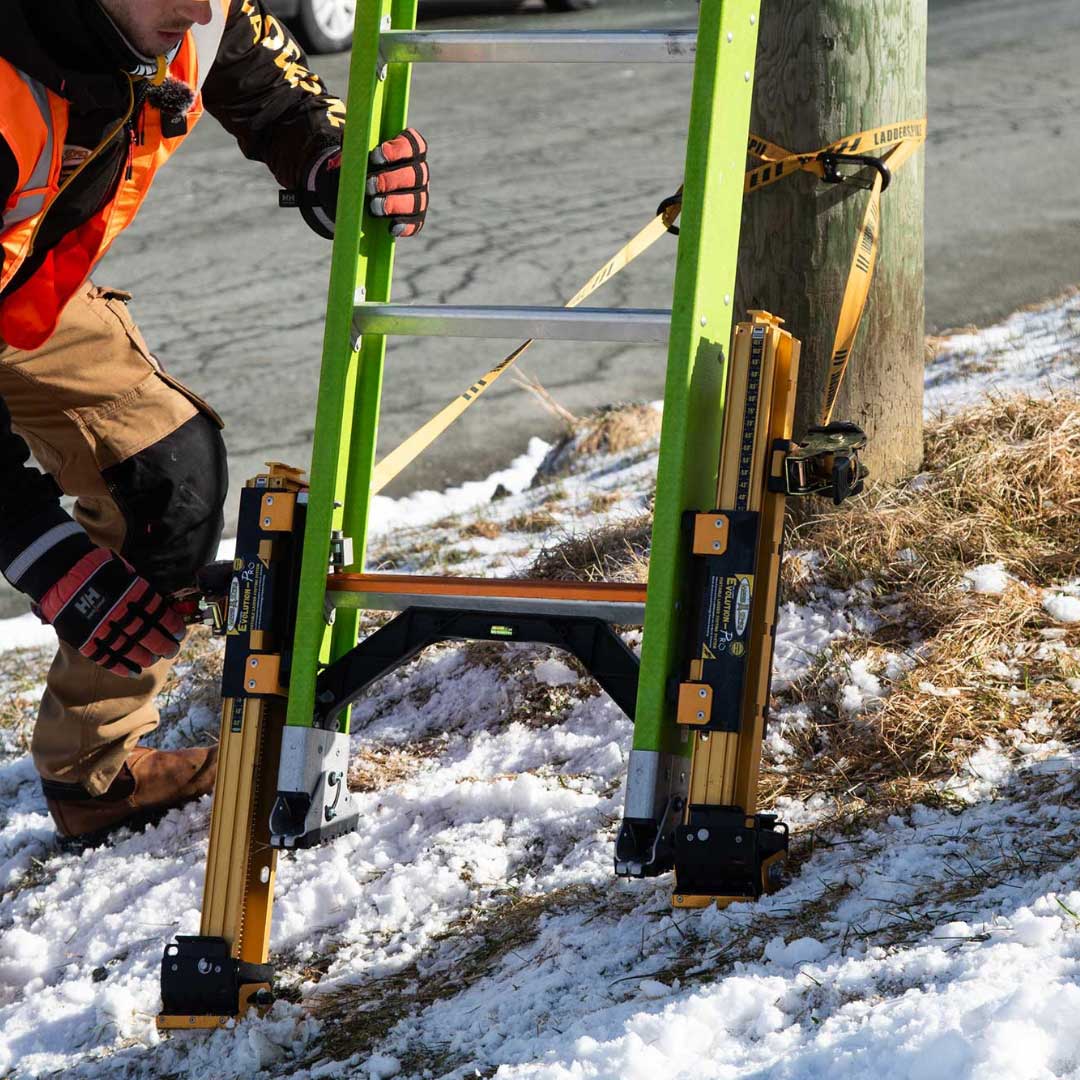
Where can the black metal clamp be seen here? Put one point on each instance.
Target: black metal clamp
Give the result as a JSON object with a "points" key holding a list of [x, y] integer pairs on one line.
{"points": [[831, 161], [825, 463]]}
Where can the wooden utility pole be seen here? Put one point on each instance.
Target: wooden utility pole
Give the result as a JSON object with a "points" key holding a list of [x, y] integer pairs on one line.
{"points": [[826, 69]]}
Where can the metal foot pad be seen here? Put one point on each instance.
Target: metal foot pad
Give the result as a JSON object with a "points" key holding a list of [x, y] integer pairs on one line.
{"points": [[203, 985], [314, 804]]}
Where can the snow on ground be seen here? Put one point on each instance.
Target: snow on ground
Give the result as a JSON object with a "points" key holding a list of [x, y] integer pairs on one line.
{"points": [[473, 927], [1034, 352]]}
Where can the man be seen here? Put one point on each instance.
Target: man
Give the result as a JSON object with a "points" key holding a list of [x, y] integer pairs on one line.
{"points": [[95, 96]]}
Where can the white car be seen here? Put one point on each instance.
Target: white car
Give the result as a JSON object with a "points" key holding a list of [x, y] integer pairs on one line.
{"points": [[325, 26]]}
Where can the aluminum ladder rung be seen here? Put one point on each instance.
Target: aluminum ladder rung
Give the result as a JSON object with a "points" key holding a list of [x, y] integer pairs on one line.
{"points": [[539, 46], [643, 326], [614, 602]]}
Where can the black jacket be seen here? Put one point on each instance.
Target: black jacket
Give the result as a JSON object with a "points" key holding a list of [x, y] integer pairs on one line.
{"points": [[277, 109]]}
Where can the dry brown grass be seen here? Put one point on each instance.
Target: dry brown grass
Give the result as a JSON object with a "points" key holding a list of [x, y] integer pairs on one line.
{"points": [[617, 552], [532, 521], [982, 677], [617, 428], [489, 530], [380, 767], [196, 678], [22, 673], [613, 429], [1001, 484], [1004, 486]]}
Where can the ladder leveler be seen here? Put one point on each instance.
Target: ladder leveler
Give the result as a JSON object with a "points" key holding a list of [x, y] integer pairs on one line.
{"points": [[699, 694]]}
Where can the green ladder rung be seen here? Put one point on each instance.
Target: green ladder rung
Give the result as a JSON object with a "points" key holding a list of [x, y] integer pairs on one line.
{"points": [[540, 46]]}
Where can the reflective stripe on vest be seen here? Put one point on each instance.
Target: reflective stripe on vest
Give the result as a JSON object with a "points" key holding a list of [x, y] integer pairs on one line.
{"points": [[31, 199]]}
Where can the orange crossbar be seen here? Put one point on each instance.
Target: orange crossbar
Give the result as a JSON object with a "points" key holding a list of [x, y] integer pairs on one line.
{"points": [[502, 588]]}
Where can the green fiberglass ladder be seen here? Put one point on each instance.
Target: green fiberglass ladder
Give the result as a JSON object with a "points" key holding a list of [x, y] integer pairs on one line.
{"points": [[698, 694]]}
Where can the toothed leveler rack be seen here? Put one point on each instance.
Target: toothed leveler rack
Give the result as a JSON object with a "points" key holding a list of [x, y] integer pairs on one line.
{"points": [[698, 695]]}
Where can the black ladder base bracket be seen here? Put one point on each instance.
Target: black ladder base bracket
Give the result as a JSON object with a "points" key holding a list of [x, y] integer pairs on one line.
{"points": [[601, 651], [204, 986], [646, 847], [313, 802], [723, 855]]}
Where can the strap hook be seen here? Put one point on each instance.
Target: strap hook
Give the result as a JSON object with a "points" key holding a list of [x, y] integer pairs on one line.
{"points": [[830, 162], [670, 209]]}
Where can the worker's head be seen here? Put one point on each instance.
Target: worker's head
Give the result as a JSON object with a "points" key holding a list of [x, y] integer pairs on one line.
{"points": [[155, 27]]}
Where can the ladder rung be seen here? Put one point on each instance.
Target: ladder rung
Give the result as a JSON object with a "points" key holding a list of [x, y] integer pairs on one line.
{"points": [[636, 325], [614, 602], [541, 46]]}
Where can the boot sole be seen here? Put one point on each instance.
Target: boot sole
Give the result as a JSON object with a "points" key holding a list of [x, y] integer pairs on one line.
{"points": [[137, 823]]}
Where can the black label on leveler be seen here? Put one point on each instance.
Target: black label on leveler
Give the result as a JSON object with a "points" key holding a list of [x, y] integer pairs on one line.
{"points": [[250, 593], [722, 642], [253, 591]]}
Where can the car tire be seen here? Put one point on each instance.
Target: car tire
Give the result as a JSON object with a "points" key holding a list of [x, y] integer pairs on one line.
{"points": [[570, 5], [325, 26]]}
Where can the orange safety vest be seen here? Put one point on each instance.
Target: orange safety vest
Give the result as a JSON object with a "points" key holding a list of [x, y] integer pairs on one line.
{"points": [[34, 124]]}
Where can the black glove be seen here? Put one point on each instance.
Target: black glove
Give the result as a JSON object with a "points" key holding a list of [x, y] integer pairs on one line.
{"points": [[397, 186]]}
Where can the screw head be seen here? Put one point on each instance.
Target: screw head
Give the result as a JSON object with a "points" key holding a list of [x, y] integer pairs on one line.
{"points": [[703, 834], [251, 684], [254, 661], [701, 716], [704, 320], [716, 545], [266, 523], [730, 36], [703, 692], [269, 500]]}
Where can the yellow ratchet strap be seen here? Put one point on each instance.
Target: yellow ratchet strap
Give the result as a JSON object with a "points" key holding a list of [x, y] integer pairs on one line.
{"points": [[420, 440], [894, 144]]}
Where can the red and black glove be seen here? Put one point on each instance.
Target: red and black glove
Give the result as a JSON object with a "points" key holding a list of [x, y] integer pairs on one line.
{"points": [[397, 183], [111, 615], [397, 186]]}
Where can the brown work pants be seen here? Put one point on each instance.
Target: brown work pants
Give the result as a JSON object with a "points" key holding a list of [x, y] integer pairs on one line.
{"points": [[92, 397]]}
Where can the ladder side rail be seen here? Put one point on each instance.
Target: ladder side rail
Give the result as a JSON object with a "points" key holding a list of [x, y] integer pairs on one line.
{"points": [[376, 264], [694, 391], [362, 253]]}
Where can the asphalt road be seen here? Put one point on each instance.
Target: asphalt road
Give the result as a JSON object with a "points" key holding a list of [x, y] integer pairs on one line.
{"points": [[540, 173]]}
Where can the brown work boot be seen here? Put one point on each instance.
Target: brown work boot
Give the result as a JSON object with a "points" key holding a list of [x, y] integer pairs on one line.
{"points": [[150, 783]]}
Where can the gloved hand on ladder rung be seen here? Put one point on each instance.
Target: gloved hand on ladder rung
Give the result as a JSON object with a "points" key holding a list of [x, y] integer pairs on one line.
{"points": [[397, 187]]}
